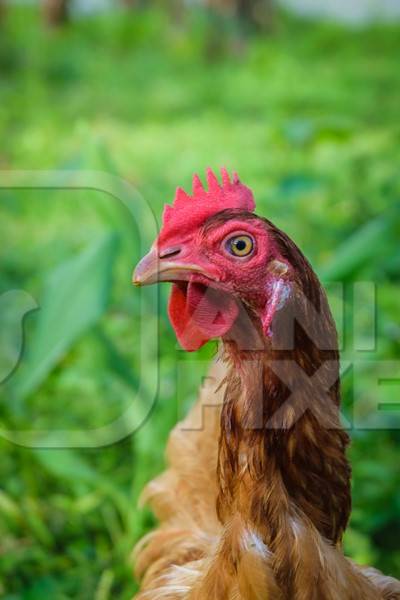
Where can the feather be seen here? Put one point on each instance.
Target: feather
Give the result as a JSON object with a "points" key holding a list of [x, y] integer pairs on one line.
{"points": [[249, 510]]}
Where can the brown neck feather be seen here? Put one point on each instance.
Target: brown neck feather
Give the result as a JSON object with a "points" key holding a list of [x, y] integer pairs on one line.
{"points": [[282, 449]]}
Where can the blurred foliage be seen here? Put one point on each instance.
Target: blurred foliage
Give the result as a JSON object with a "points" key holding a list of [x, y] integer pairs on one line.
{"points": [[308, 115]]}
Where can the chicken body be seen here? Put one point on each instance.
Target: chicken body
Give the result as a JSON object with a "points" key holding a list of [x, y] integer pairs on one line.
{"points": [[184, 558], [257, 495]]}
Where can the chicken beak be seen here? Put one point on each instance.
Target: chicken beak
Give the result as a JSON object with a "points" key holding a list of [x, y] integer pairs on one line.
{"points": [[152, 269], [147, 270]]}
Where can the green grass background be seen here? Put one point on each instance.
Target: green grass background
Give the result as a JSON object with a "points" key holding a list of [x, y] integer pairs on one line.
{"points": [[309, 116]]}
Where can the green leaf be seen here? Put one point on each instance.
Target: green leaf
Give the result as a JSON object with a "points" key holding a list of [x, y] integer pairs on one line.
{"points": [[75, 296], [9, 508], [116, 360], [66, 464], [357, 250], [71, 466], [358, 547], [14, 305]]}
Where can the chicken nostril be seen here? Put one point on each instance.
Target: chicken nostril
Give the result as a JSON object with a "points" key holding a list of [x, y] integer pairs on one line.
{"points": [[169, 253]]}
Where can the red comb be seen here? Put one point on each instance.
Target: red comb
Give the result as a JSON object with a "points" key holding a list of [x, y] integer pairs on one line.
{"points": [[190, 211]]}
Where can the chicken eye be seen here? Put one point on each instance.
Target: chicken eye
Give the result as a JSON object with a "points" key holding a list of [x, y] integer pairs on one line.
{"points": [[240, 245]]}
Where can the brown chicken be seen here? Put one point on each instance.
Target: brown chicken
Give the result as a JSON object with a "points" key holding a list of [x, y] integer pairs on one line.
{"points": [[256, 498]]}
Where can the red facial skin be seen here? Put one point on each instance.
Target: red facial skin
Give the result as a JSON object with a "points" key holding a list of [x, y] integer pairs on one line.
{"points": [[201, 312], [206, 248], [212, 287]]}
